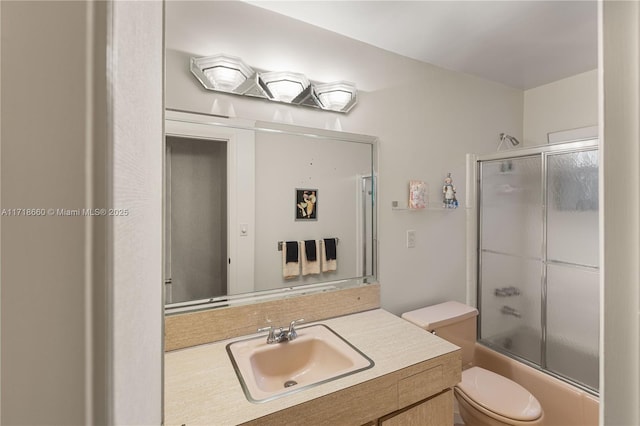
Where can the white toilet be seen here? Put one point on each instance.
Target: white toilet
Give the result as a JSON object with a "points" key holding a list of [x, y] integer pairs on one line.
{"points": [[484, 397]]}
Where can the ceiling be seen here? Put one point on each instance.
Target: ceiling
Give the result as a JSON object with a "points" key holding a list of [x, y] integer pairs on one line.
{"points": [[522, 44]]}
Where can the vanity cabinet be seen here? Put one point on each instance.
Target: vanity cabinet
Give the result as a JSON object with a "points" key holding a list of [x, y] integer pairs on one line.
{"points": [[418, 395], [434, 411], [410, 384]]}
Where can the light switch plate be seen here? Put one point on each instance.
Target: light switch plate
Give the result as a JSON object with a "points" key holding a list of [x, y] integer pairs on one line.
{"points": [[411, 238]]}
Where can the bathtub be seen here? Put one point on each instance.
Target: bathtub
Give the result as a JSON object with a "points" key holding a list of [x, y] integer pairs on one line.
{"points": [[566, 357], [563, 404]]}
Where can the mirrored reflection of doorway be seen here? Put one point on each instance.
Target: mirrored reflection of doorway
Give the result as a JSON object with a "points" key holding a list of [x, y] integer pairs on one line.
{"points": [[196, 219]]}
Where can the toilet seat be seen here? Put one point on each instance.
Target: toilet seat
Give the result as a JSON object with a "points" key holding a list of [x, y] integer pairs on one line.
{"points": [[498, 397]]}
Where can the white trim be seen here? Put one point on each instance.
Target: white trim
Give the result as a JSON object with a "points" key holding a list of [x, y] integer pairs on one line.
{"points": [[361, 197], [535, 150], [135, 83], [582, 133], [471, 207]]}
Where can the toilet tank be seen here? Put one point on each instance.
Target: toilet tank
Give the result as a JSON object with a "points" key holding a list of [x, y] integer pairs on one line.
{"points": [[452, 321]]}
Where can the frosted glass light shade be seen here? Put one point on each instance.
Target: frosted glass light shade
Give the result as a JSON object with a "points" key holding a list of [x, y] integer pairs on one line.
{"points": [[339, 96], [221, 72], [229, 74], [283, 86]]}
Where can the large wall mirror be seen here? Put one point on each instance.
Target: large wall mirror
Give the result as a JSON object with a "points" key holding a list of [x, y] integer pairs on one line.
{"points": [[236, 191]]}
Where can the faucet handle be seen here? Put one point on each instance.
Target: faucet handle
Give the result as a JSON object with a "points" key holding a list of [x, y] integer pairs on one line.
{"points": [[271, 337], [292, 334], [294, 322]]}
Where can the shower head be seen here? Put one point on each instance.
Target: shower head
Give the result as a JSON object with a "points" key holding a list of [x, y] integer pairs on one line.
{"points": [[512, 140]]}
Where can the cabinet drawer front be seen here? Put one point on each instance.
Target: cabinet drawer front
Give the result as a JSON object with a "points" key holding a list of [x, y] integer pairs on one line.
{"points": [[436, 411], [420, 386]]}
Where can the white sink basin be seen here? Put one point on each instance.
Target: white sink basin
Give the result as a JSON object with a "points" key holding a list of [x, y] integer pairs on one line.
{"points": [[316, 356]]}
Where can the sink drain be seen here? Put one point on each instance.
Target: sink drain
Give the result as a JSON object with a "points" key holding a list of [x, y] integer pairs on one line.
{"points": [[290, 383]]}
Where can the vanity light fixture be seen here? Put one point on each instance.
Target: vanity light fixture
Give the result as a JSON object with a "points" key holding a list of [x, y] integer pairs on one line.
{"points": [[229, 74], [337, 96], [221, 72], [283, 86]]}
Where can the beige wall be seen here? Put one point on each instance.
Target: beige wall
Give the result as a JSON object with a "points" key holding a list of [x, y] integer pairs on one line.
{"points": [[620, 214], [570, 103], [81, 308], [45, 305]]}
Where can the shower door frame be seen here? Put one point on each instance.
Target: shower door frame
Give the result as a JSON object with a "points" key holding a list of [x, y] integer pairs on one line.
{"points": [[475, 228]]}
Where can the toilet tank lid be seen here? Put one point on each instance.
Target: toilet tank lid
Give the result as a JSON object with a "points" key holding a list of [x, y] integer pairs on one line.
{"points": [[440, 315]]}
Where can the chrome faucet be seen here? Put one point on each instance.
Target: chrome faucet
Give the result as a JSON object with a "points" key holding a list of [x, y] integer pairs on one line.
{"points": [[292, 333], [279, 335], [508, 310], [507, 291]]}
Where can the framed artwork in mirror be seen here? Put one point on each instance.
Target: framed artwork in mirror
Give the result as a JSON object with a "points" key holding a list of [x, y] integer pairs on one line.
{"points": [[306, 204]]}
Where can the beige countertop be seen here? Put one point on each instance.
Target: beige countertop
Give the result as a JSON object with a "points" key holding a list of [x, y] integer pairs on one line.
{"points": [[201, 386]]}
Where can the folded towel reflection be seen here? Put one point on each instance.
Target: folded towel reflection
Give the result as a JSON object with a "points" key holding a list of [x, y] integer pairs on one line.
{"points": [[291, 252], [330, 248], [310, 262], [290, 260], [310, 249], [329, 255]]}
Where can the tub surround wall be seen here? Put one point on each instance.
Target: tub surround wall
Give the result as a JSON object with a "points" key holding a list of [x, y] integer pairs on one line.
{"points": [[191, 329]]}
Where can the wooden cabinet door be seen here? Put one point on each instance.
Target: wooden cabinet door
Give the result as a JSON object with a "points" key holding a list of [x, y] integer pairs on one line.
{"points": [[435, 411]]}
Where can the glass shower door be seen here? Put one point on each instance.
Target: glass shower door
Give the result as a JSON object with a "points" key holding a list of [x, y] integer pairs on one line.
{"points": [[538, 267], [511, 269], [572, 285]]}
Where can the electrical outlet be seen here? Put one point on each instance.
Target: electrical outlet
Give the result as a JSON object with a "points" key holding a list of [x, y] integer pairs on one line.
{"points": [[411, 238]]}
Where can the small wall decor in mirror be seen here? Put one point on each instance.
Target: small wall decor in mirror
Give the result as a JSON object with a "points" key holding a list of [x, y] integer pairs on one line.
{"points": [[306, 204], [229, 74], [231, 233]]}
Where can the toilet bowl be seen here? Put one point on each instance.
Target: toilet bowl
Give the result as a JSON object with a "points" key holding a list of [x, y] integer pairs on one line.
{"points": [[484, 397], [489, 399]]}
